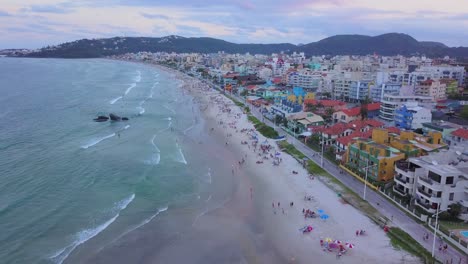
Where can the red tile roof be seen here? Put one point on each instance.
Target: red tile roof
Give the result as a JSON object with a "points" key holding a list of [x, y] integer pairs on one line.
{"points": [[325, 103], [373, 107], [346, 140], [355, 111], [394, 130], [461, 132], [340, 128]]}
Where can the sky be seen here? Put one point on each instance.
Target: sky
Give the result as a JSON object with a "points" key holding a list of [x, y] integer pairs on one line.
{"points": [[38, 23]]}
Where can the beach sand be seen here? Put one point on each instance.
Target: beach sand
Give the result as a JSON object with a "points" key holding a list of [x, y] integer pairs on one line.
{"points": [[260, 185]]}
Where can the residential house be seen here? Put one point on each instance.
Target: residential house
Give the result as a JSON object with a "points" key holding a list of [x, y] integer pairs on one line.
{"points": [[300, 122], [459, 136], [351, 114]]}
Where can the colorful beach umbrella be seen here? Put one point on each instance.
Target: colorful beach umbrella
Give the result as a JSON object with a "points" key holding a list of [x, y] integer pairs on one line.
{"points": [[320, 211], [324, 217], [349, 245], [328, 239], [337, 242]]}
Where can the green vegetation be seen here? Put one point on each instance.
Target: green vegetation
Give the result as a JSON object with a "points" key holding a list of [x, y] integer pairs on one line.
{"points": [[401, 240], [291, 150], [450, 225], [464, 112], [265, 130]]}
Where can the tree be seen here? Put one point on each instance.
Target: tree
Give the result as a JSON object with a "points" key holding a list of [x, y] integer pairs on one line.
{"points": [[455, 210], [244, 93], [364, 111], [310, 107], [464, 112], [328, 113]]}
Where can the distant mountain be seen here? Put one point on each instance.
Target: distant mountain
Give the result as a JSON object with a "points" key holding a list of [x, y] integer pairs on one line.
{"points": [[386, 44]]}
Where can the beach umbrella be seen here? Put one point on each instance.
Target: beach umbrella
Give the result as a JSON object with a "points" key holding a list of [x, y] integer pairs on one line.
{"points": [[337, 242], [349, 245], [328, 239], [320, 211], [324, 216]]}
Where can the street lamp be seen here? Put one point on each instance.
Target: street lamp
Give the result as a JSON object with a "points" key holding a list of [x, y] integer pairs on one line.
{"points": [[323, 145], [365, 179], [435, 227]]}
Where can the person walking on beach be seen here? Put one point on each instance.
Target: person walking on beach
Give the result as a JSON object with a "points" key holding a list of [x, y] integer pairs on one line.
{"points": [[278, 204]]}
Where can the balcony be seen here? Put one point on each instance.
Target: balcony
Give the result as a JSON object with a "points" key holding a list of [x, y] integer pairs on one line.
{"points": [[426, 206], [429, 183], [400, 190], [404, 168], [429, 196]]}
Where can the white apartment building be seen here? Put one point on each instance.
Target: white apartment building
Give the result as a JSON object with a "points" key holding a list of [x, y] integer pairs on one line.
{"points": [[439, 179], [391, 102], [411, 116], [378, 91], [306, 79], [424, 73]]}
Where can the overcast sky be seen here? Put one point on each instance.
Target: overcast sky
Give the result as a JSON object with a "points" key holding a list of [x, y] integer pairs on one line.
{"points": [[37, 23]]}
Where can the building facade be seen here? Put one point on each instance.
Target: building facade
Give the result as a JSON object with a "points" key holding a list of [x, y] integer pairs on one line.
{"points": [[411, 116], [391, 102]]}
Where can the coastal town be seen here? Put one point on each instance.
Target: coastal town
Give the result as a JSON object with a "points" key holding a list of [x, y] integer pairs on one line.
{"points": [[397, 126]]}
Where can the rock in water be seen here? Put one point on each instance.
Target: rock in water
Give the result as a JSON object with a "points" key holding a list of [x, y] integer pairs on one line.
{"points": [[101, 119], [114, 117]]}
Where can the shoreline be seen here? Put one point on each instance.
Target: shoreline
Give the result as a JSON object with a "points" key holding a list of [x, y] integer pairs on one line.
{"points": [[277, 183]]}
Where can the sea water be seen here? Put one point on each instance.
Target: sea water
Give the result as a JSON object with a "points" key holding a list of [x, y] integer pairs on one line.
{"points": [[72, 188]]}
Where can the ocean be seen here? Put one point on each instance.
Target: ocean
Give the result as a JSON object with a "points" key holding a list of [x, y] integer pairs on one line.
{"points": [[77, 191]]}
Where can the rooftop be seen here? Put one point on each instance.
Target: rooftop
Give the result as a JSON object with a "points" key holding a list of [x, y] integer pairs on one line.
{"points": [[461, 132]]}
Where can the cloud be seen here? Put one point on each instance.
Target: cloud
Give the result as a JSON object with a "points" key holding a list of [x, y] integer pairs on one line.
{"points": [[4, 14], [54, 9], [153, 16]]}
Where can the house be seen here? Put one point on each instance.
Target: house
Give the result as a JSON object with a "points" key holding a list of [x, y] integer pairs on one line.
{"points": [[437, 180], [351, 114], [460, 135], [300, 122], [335, 104]]}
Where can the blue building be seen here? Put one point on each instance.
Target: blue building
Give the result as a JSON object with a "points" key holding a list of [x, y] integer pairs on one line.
{"points": [[359, 90], [403, 117], [377, 92]]}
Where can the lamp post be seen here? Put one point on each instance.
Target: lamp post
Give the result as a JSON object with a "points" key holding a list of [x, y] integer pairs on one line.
{"points": [[323, 145], [365, 179], [435, 227]]}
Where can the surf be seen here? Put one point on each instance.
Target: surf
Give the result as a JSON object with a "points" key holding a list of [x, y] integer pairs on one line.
{"points": [[97, 141], [82, 236], [130, 88], [138, 77], [113, 101], [181, 158]]}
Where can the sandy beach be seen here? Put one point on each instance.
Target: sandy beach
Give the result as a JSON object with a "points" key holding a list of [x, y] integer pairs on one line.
{"points": [[266, 191]]}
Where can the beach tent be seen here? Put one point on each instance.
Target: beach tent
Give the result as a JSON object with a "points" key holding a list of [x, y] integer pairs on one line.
{"points": [[349, 245]]}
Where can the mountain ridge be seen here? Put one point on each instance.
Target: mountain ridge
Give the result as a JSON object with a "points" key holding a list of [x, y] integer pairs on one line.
{"points": [[386, 44]]}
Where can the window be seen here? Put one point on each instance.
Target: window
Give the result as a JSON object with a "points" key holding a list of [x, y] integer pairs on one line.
{"points": [[434, 176], [449, 180], [451, 196]]}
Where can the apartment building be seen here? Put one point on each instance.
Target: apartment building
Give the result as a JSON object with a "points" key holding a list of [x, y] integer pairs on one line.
{"points": [[391, 102], [360, 90], [378, 91], [438, 179], [435, 89], [306, 79], [412, 116]]}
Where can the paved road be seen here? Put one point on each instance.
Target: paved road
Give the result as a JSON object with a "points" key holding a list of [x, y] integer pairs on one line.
{"points": [[385, 207]]}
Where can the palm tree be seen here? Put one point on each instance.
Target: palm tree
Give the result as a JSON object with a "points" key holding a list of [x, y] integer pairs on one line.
{"points": [[364, 110]]}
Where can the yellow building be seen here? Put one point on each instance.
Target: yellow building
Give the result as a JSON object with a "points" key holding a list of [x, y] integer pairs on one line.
{"points": [[380, 153]]}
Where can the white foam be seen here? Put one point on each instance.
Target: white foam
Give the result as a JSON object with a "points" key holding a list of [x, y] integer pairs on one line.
{"points": [[154, 145], [96, 141], [138, 77], [113, 101], [146, 221], [87, 234], [209, 177], [190, 127], [172, 110], [141, 110], [181, 155], [130, 88], [126, 127], [168, 118], [209, 198]]}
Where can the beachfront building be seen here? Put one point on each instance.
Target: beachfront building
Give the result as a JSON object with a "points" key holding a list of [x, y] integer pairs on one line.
{"points": [[300, 122], [438, 72], [412, 116], [438, 179], [391, 102], [431, 88], [377, 159]]}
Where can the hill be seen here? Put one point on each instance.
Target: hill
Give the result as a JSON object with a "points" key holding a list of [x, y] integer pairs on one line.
{"points": [[386, 44]]}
